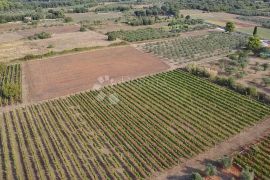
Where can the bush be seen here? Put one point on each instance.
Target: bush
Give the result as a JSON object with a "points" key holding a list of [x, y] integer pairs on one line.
{"points": [[196, 176], [42, 35], [11, 90], [226, 162], [247, 174], [68, 19], [111, 37], [82, 29], [210, 170]]}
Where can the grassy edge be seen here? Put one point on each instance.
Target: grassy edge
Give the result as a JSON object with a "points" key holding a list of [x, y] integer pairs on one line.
{"points": [[69, 51]]}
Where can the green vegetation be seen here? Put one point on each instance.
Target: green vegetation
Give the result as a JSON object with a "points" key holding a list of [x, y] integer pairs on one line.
{"points": [[254, 44], [42, 35], [263, 33], [247, 174], [113, 7], [210, 170], [196, 176], [228, 82], [226, 162], [243, 7], [264, 22], [141, 34], [10, 86], [144, 132], [181, 50], [230, 27]]}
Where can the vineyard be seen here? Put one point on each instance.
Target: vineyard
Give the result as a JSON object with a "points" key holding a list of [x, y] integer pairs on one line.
{"points": [[125, 131], [142, 34], [257, 158], [11, 76], [180, 50]]}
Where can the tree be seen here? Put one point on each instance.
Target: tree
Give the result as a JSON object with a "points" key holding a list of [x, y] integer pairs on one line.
{"points": [[229, 27], [196, 176], [255, 31], [254, 44], [210, 170]]}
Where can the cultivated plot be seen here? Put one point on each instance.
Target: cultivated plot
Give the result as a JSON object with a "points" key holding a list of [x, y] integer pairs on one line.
{"points": [[73, 73], [127, 131]]}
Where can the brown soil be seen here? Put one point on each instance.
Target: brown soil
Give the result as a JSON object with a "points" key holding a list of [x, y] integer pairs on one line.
{"points": [[53, 30], [60, 76]]}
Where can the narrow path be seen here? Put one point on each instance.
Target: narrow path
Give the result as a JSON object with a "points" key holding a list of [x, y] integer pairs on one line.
{"points": [[246, 137]]}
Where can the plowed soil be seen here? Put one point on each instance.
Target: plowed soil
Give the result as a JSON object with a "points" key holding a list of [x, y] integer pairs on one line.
{"points": [[60, 76]]}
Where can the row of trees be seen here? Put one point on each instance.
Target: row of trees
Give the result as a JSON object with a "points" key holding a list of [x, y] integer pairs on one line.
{"points": [[168, 8], [225, 162], [34, 15]]}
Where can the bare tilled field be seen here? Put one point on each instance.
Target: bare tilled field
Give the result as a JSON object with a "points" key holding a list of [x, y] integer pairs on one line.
{"points": [[64, 75]]}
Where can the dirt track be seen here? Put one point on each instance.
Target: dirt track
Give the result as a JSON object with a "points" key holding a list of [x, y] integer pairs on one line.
{"points": [[60, 76], [247, 136]]}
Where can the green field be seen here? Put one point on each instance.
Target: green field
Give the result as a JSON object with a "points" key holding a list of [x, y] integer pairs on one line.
{"points": [[257, 157], [180, 50], [11, 75], [126, 131], [264, 33], [142, 34]]}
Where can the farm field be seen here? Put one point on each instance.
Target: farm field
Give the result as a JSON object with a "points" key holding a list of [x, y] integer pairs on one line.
{"points": [[63, 75], [219, 18], [253, 74], [157, 122], [16, 44], [263, 33], [92, 16], [12, 75], [182, 50], [257, 158]]}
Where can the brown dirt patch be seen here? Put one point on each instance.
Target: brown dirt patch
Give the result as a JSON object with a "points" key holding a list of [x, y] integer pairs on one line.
{"points": [[53, 30], [69, 74]]}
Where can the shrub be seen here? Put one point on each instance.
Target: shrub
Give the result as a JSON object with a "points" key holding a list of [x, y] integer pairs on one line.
{"points": [[68, 19], [266, 81], [11, 90], [210, 170], [50, 46], [196, 176], [82, 29], [226, 162], [111, 37], [265, 66], [247, 174], [42, 35], [252, 91]]}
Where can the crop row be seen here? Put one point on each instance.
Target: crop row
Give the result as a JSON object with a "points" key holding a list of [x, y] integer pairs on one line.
{"points": [[181, 50], [11, 76], [257, 157], [156, 123]]}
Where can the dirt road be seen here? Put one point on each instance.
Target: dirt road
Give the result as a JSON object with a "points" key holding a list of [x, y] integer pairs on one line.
{"points": [[247, 136]]}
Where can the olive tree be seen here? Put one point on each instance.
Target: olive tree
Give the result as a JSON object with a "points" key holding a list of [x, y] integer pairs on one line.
{"points": [[230, 27]]}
